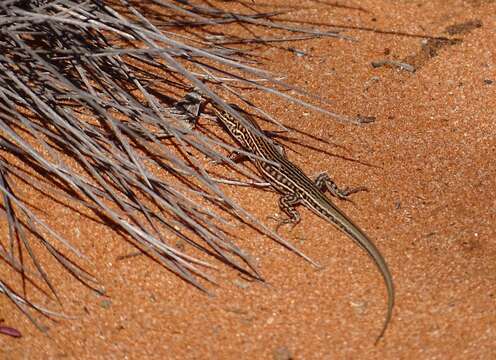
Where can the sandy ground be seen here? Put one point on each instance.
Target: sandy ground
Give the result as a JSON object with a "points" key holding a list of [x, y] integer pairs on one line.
{"points": [[428, 161]]}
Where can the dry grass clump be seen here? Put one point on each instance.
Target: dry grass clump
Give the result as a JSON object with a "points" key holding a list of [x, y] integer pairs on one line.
{"points": [[88, 92]]}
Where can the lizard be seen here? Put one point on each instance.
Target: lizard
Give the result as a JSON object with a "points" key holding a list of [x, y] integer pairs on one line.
{"points": [[297, 188]]}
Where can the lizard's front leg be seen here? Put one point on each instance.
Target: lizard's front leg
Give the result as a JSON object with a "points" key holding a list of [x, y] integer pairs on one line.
{"points": [[234, 156]]}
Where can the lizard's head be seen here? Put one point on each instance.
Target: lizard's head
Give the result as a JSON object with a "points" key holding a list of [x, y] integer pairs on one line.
{"points": [[229, 122]]}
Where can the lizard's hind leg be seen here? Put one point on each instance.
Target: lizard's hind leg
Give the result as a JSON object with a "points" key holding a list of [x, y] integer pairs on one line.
{"points": [[325, 183]]}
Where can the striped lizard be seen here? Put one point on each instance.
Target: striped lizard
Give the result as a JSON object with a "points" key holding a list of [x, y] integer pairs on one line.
{"points": [[297, 188]]}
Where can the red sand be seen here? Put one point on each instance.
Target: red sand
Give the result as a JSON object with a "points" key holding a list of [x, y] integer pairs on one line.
{"points": [[431, 211]]}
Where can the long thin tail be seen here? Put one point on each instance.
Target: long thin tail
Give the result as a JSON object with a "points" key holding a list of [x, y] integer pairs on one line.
{"points": [[353, 231]]}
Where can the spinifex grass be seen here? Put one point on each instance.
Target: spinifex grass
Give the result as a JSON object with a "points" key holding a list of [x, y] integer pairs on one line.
{"points": [[99, 84]]}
